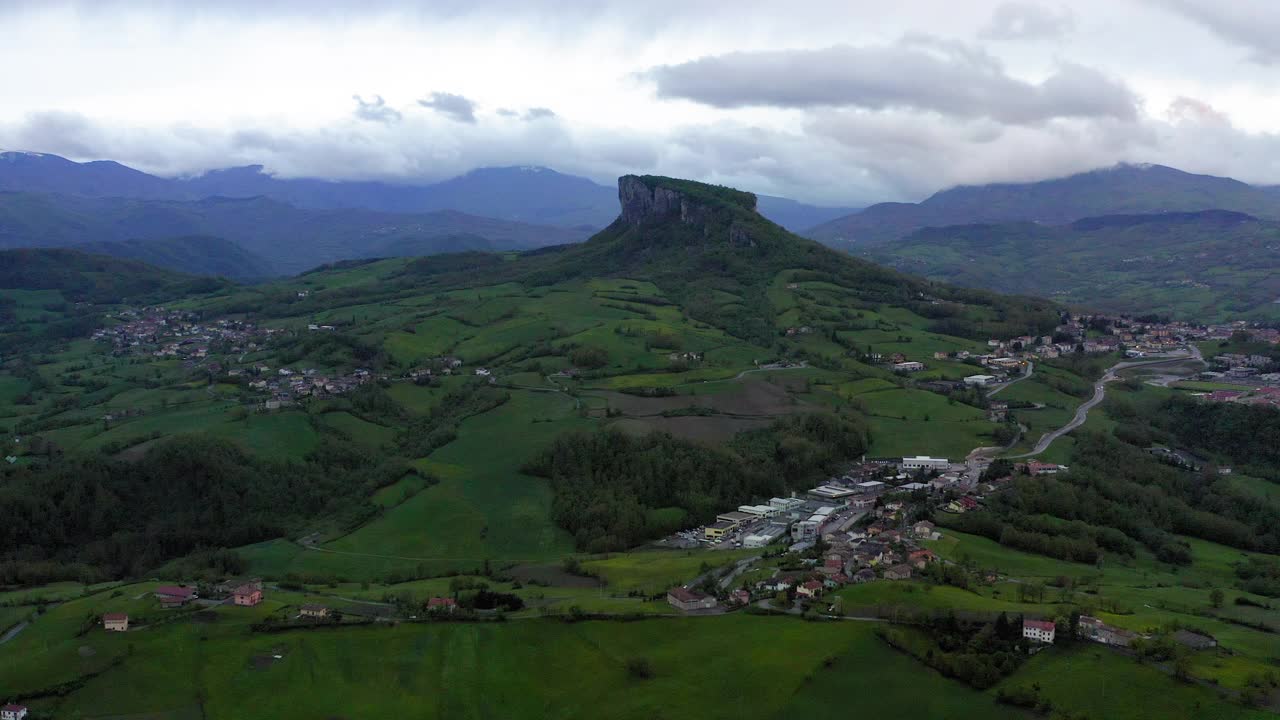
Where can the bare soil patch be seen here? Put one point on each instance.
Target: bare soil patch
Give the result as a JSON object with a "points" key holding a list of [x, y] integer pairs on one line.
{"points": [[753, 398]]}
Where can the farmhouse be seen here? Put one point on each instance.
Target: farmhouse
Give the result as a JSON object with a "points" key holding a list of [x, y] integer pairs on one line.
{"points": [[247, 595], [441, 604], [314, 612], [923, 529], [1091, 628], [13, 712], [810, 589], [898, 572], [683, 598], [912, 366], [115, 622], [1039, 630], [171, 596]]}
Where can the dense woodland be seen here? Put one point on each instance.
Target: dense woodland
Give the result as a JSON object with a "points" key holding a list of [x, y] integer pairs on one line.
{"points": [[1117, 495], [91, 517], [614, 491]]}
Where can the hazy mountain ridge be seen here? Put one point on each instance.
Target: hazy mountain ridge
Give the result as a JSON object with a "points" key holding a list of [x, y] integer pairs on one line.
{"points": [[529, 194], [1122, 189], [290, 239]]}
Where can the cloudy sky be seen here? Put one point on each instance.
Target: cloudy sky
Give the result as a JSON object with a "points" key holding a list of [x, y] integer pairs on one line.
{"points": [[844, 102]]}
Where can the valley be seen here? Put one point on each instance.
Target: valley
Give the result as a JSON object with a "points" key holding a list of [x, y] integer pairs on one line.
{"points": [[466, 460]]}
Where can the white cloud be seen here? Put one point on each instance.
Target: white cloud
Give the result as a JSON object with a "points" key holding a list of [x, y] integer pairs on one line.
{"points": [[375, 110], [1027, 21], [833, 101], [454, 107], [917, 73]]}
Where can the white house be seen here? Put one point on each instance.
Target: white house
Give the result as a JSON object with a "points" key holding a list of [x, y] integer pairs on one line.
{"points": [[979, 380], [13, 712], [1038, 630]]}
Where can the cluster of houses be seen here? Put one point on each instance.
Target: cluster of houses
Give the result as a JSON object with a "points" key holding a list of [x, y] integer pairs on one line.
{"points": [[1266, 396], [166, 333], [242, 594], [176, 334], [285, 387]]}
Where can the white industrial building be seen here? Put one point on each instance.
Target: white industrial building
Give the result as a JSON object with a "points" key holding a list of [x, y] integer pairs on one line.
{"points": [[980, 380], [924, 462], [760, 511], [764, 537], [870, 486], [784, 504], [805, 530], [831, 492]]}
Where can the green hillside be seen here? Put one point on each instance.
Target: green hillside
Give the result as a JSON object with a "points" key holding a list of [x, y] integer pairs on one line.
{"points": [[194, 255], [1203, 266]]}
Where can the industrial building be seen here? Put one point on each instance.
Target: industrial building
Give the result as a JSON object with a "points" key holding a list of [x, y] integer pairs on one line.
{"points": [[924, 462]]}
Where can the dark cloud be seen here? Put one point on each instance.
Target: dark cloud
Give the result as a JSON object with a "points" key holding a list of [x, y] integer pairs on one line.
{"points": [[454, 107], [538, 113], [1027, 21], [1251, 24], [375, 110], [917, 73]]}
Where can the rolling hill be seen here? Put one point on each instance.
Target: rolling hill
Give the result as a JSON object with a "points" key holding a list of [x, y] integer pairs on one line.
{"points": [[1122, 189], [1203, 266], [191, 254]]}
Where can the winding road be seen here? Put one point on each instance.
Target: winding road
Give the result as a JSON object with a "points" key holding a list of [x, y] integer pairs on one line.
{"points": [[1099, 394]]}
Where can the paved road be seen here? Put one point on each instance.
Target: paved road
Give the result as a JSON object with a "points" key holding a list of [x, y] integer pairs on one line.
{"points": [[13, 632], [1025, 374], [1099, 394]]}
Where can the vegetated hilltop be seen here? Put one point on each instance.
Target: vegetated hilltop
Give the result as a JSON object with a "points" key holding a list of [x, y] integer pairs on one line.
{"points": [[701, 243], [192, 254], [1123, 189], [90, 278], [291, 239], [1205, 266]]}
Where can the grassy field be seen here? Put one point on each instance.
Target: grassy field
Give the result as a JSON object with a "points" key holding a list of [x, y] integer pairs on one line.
{"points": [[1100, 683]]}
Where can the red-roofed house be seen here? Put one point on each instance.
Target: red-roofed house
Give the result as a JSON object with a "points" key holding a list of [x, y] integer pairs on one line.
{"points": [[173, 596], [810, 589], [13, 712], [1039, 630], [247, 595], [442, 604], [920, 558], [740, 597], [685, 599], [115, 622]]}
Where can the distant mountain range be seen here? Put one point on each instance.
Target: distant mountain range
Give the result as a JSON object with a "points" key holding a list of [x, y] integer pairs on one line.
{"points": [[289, 239], [1206, 265], [535, 195], [1123, 189]]}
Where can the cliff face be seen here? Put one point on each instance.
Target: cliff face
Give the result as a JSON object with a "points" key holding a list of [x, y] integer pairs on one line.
{"points": [[643, 201]]}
